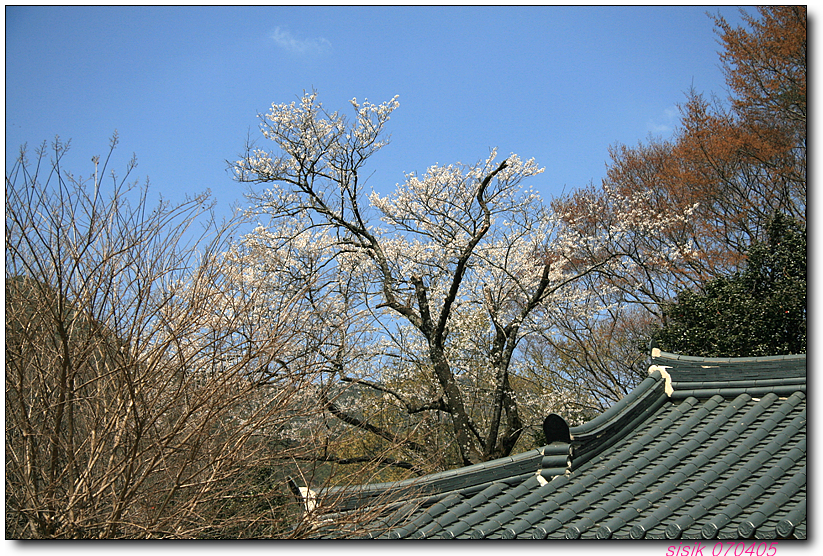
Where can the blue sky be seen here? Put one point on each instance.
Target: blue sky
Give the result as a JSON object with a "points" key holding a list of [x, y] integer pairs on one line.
{"points": [[183, 86]]}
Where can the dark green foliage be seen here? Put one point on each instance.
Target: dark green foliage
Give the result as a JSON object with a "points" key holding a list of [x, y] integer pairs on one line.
{"points": [[759, 310]]}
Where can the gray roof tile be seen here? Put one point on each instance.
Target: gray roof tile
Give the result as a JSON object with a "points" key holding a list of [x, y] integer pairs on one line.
{"points": [[724, 456]]}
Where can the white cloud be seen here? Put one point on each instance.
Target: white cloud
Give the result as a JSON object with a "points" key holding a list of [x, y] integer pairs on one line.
{"points": [[665, 123], [284, 39]]}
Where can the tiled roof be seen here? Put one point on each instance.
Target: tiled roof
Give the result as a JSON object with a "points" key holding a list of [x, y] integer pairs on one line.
{"points": [[703, 448]]}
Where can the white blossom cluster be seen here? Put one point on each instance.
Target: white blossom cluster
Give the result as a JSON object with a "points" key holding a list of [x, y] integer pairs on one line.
{"points": [[473, 241], [431, 221], [315, 142]]}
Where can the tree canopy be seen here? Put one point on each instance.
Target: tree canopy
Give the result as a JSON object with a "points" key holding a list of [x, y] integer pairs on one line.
{"points": [[424, 295], [731, 163], [759, 310], [462, 296]]}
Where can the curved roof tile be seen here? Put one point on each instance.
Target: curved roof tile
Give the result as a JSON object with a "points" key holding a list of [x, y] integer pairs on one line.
{"points": [[703, 448]]}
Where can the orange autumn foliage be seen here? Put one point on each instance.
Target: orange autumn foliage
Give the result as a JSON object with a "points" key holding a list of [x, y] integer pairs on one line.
{"points": [[681, 211], [734, 163]]}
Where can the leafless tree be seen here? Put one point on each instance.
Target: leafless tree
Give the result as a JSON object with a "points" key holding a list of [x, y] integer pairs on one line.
{"points": [[140, 396]]}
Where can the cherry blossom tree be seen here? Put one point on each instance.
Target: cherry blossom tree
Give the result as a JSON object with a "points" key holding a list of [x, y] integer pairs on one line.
{"points": [[430, 290]]}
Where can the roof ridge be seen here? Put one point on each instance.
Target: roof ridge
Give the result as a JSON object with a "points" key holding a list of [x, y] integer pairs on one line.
{"points": [[658, 353], [704, 377], [348, 497], [592, 437]]}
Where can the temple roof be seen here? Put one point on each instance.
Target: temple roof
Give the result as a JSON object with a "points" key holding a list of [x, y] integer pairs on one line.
{"points": [[703, 448]]}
